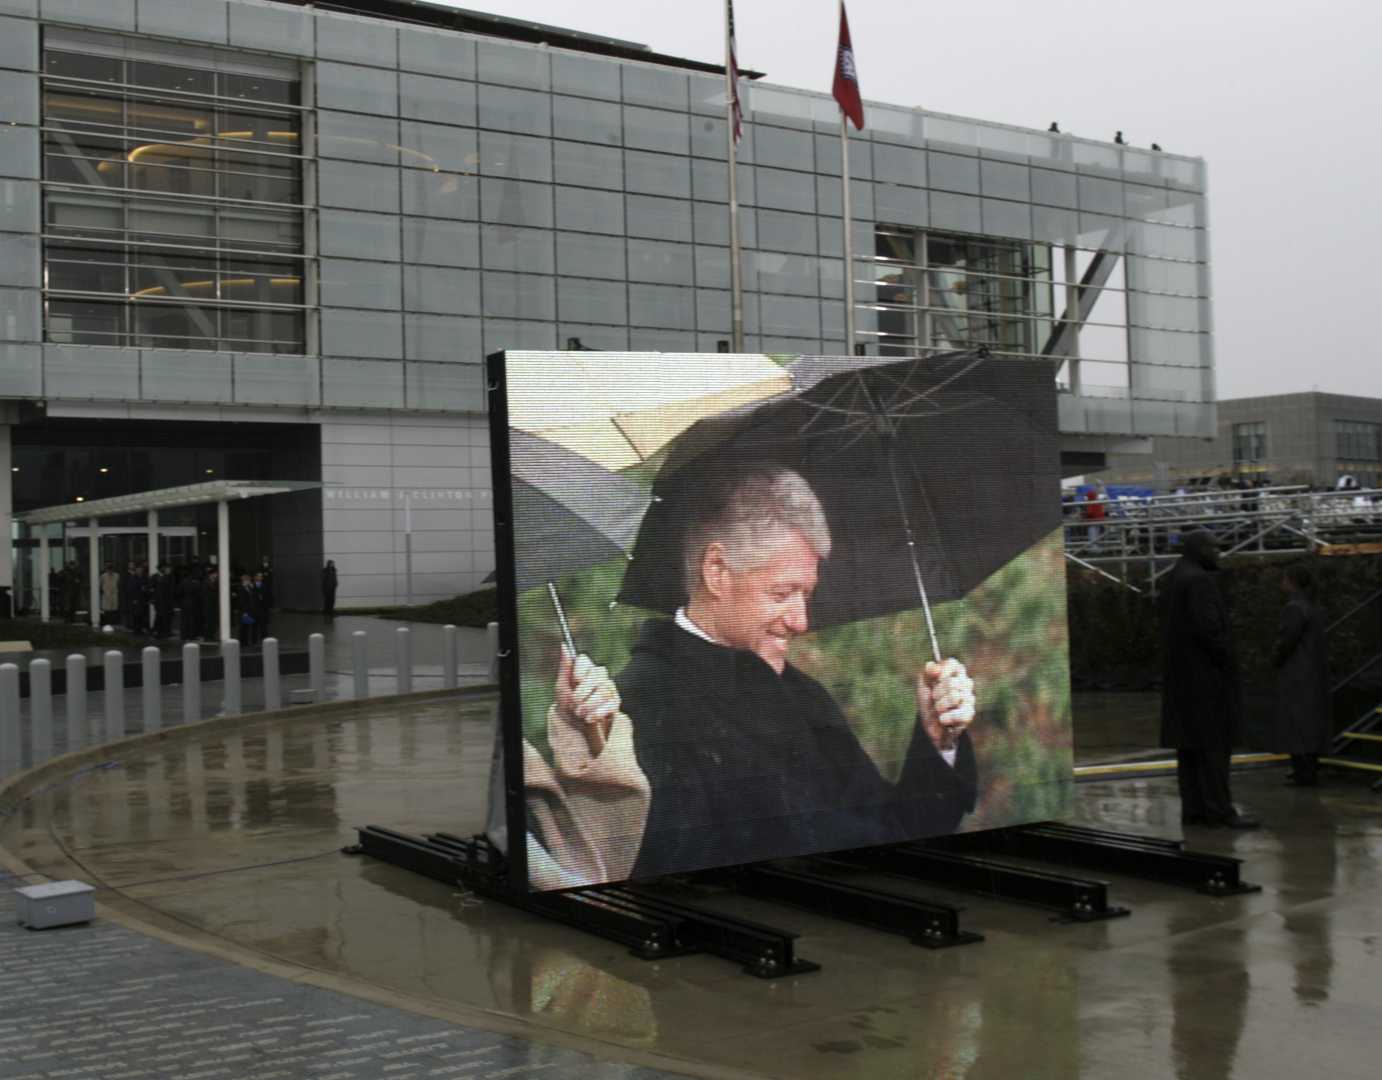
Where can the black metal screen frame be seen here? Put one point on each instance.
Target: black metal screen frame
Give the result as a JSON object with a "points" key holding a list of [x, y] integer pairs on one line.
{"points": [[510, 702]]}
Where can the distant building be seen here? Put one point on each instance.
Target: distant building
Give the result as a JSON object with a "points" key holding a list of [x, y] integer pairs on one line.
{"points": [[1308, 438]]}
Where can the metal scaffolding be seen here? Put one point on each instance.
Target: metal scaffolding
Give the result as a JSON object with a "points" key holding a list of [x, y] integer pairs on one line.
{"points": [[1137, 540]]}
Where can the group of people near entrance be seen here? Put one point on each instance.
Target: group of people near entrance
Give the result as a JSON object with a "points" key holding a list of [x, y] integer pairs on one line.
{"points": [[184, 599]]}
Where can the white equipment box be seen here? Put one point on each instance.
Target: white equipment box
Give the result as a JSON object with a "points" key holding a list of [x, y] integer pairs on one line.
{"points": [[58, 903]]}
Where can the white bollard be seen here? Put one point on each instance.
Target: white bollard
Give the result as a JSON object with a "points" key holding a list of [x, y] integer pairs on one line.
{"points": [[359, 663], [403, 658], [151, 688], [10, 745], [76, 701], [316, 666], [114, 662], [40, 710], [230, 659], [492, 641], [191, 683], [273, 688], [450, 669]]}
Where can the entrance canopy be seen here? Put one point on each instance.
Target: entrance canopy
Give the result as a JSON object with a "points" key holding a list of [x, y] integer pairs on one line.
{"points": [[220, 492], [211, 491]]}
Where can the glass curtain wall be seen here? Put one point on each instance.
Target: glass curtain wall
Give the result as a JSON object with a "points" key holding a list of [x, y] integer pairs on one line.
{"points": [[939, 291], [172, 202]]}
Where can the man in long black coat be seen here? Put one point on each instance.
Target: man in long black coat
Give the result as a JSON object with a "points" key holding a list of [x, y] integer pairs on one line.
{"points": [[191, 614], [747, 756], [211, 606], [165, 591], [1201, 701], [1301, 658], [330, 580]]}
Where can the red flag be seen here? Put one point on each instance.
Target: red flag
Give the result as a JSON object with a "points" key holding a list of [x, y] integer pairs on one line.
{"points": [[846, 85], [732, 65]]}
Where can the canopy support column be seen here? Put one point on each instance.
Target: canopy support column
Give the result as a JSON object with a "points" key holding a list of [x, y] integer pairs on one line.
{"points": [[93, 563], [223, 565], [45, 602], [152, 526]]}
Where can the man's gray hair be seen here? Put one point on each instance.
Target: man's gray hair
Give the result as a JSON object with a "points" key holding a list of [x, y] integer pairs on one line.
{"points": [[747, 513]]}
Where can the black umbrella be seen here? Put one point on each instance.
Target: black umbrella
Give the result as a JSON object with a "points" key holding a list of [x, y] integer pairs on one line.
{"points": [[568, 512], [933, 472]]}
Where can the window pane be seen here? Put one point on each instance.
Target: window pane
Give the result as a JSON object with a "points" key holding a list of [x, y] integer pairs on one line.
{"points": [[184, 268], [588, 121], [85, 322], [83, 66]]}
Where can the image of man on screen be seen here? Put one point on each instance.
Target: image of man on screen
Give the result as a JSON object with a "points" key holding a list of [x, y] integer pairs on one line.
{"points": [[747, 757]]}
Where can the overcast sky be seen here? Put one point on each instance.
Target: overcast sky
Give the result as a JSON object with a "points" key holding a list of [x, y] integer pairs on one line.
{"points": [[1280, 97]]}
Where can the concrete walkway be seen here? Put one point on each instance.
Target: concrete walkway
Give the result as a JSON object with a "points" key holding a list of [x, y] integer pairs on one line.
{"points": [[109, 1003]]}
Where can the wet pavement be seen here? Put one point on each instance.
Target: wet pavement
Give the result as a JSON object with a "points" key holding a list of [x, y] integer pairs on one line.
{"points": [[231, 839]]}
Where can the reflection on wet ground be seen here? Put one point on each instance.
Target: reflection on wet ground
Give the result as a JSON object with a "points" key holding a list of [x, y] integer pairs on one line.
{"points": [[237, 835]]}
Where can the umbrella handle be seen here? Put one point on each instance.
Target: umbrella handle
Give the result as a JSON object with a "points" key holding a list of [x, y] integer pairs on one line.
{"points": [[912, 552], [566, 626], [926, 609]]}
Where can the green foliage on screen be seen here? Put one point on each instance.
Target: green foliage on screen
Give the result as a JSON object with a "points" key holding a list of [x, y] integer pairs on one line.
{"points": [[1010, 632]]}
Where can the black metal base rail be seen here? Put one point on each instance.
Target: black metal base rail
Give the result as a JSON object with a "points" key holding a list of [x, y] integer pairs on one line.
{"points": [[651, 925], [764, 951], [1074, 899], [924, 923], [1152, 858]]}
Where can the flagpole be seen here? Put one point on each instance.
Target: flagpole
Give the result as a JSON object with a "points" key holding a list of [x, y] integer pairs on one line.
{"points": [[736, 276], [848, 219], [846, 204]]}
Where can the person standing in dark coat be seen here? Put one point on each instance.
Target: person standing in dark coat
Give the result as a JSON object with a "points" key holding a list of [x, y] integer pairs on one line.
{"points": [[1301, 658], [747, 756], [245, 606], [265, 574], [143, 597], [211, 605], [129, 596], [329, 582], [71, 591], [165, 593], [263, 611], [1201, 697], [191, 614]]}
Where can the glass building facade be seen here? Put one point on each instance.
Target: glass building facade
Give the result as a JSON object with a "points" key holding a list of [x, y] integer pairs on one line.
{"points": [[251, 211]]}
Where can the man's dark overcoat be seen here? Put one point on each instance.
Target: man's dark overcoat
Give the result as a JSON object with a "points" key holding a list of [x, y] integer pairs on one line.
{"points": [[1201, 697], [745, 764], [1302, 707]]}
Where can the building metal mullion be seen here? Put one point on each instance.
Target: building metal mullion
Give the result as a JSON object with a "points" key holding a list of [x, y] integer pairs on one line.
{"points": [[127, 321]]}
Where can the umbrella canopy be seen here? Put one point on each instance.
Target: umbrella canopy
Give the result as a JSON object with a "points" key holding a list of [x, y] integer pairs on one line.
{"points": [[619, 409], [569, 513], [933, 473]]}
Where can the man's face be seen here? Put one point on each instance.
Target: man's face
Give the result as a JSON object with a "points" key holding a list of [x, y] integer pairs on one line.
{"points": [[762, 609]]}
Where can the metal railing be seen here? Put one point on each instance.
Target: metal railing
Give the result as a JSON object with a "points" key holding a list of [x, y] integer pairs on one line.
{"points": [[1138, 539]]}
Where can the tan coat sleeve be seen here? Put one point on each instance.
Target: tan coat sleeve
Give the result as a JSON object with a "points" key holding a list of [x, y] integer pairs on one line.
{"points": [[589, 808]]}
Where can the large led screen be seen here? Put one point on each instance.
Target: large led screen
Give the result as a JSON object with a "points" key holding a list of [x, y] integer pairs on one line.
{"points": [[764, 606]]}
